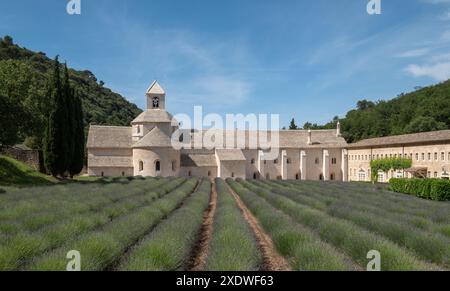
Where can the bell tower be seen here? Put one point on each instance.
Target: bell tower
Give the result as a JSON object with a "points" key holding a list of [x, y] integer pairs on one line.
{"points": [[156, 97]]}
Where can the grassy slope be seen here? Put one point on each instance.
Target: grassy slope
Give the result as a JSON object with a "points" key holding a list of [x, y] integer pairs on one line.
{"points": [[15, 173]]}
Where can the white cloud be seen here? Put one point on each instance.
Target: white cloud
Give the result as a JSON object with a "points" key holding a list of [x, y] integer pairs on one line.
{"points": [[439, 71], [435, 1], [414, 53]]}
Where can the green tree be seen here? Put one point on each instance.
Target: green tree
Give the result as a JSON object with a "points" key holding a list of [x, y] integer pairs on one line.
{"points": [[9, 127], [79, 140], [424, 124], [55, 145], [69, 122], [293, 126]]}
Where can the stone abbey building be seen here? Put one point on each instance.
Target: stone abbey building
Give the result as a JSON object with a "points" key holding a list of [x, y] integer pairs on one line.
{"points": [[146, 149]]}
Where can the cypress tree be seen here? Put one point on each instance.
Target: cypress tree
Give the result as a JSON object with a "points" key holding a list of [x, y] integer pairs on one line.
{"points": [[79, 140], [52, 143], [55, 143], [69, 131], [293, 126]]}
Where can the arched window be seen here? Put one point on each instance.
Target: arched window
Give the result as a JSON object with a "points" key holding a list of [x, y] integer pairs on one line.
{"points": [[288, 161], [361, 175], [189, 173], [255, 176], [232, 175], [103, 174], [317, 161], [123, 174], [138, 129], [275, 161], [252, 161], [141, 166], [297, 177], [158, 166], [321, 177], [209, 173], [155, 102], [332, 177]]}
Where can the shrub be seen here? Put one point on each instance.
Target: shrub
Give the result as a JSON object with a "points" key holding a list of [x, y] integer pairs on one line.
{"points": [[233, 246], [433, 189], [167, 247]]}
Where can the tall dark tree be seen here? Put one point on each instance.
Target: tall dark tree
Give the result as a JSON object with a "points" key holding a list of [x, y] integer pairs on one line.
{"points": [[55, 144], [293, 126], [69, 123], [79, 140]]}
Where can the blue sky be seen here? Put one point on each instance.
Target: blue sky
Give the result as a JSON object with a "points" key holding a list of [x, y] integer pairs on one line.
{"points": [[310, 60]]}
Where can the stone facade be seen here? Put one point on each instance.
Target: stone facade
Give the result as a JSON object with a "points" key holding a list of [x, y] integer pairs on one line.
{"points": [[430, 158], [145, 149]]}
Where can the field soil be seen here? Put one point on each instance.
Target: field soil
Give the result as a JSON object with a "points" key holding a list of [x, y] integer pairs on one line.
{"points": [[200, 252], [272, 260]]}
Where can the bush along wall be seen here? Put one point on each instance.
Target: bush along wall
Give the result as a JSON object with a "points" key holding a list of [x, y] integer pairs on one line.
{"points": [[433, 189]]}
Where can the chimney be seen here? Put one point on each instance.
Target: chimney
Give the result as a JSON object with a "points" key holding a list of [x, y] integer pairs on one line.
{"points": [[338, 129], [309, 137]]}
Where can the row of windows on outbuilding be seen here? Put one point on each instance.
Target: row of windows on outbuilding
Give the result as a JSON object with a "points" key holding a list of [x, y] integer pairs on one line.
{"points": [[417, 156]]}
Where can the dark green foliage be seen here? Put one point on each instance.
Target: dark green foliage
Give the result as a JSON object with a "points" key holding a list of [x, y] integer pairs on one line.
{"points": [[24, 76], [432, 189], [69, 122], [79, 141], [424, 124], [9, 111], [55, 145], [293, 126]]}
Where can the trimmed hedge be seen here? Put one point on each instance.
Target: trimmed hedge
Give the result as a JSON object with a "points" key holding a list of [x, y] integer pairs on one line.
{"points": [[433, 189]]}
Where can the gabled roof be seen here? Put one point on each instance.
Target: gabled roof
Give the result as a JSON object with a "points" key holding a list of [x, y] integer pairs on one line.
{"points": [[155, 88], [198, 160], [155, 116], [230, 155], [287, 138], [109, 137], [155, 138], [399, 140]]}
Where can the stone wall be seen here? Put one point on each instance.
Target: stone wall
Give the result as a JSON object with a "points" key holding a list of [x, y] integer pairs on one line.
{"points": [[29, 157]]}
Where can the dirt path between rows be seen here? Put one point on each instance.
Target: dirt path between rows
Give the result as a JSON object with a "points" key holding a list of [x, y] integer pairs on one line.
{"points": [[272, 260], [200, 252]]}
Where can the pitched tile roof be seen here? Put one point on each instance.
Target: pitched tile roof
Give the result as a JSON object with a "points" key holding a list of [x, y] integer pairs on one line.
{"points": [[155, 115], [398, 140], [198, 160], [155, 88], [109, 137], [155, 138], [230, 155], [287, 138]]}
